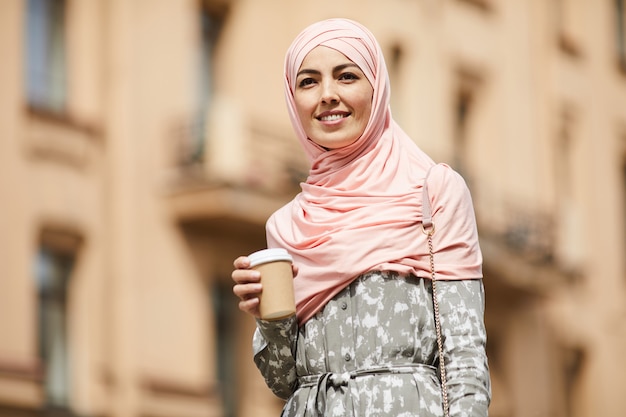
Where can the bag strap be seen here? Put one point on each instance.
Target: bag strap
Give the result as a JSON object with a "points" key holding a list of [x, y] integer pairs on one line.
{"points": [[428, 228]]}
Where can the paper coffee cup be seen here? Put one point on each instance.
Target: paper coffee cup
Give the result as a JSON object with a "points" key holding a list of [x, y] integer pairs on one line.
{"points": [[276, 299]]}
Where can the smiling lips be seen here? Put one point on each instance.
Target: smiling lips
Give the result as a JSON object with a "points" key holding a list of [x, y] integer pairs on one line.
{"points": [[331, 117]]}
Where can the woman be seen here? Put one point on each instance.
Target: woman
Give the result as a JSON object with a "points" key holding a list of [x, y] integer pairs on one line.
{"points": [[363, 341]]}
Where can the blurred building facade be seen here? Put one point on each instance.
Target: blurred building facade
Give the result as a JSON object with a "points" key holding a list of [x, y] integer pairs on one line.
{"points": [[144, 143]]}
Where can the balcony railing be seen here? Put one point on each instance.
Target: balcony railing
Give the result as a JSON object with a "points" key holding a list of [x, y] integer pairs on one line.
{"points": [[239, 153]]}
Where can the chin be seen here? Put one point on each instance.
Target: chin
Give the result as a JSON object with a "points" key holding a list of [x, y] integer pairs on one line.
{"points": [[334, 144]]}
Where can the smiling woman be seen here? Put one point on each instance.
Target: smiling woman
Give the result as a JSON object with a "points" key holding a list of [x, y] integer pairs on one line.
{"points": [[333, 98], [365, 339]]}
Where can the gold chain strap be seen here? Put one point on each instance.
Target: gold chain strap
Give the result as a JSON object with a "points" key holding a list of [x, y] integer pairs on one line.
{"points": [[442, 369]]}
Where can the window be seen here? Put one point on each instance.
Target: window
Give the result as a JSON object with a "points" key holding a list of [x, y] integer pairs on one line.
{"points": [[570, 247], [462, 109], [52, 275], [563, 156], [465, 115], [209, 29], [46, 78], [570, 25], [620, 17], [224, 309], [623, 173], [574, 370], [484, 5], [395, 66]]}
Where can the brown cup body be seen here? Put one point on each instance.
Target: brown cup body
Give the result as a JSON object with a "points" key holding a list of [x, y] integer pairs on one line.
{"points": [[277, 298]]}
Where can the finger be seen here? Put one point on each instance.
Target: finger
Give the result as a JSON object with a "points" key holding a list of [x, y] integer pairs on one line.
{"points": [[250, 306], [243, 276], [247, 291], [242, 262], [294, 269]]}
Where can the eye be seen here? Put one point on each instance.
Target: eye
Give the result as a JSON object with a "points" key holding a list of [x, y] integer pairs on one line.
{"points": [[305, 82], [348, 76]]}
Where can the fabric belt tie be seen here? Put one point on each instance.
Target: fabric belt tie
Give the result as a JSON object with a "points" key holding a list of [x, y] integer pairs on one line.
{"points": [[324, 381]]}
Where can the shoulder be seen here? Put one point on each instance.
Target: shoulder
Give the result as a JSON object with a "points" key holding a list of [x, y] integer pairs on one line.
{"points": [[446, 185], [441, 176]]}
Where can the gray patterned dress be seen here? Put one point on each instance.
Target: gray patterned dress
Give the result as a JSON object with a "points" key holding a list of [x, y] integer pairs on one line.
{"points": [[372, 351]]}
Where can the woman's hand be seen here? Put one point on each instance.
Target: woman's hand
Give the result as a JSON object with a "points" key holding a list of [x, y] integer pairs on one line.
{"points": [[248, 285]]}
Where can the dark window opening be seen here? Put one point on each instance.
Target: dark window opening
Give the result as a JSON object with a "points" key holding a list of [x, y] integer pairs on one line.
{"points": [[224, 309], [574, 367], [52, 274], [46, 72], [620, 17], [624, 210], [462, 114], [194, 148]]}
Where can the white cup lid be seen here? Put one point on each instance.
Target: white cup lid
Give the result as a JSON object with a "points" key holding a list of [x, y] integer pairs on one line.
{"points": [[269, 255]]}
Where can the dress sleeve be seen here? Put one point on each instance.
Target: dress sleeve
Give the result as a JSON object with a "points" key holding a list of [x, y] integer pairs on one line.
{"points": [[273, 345], [462, 306]]}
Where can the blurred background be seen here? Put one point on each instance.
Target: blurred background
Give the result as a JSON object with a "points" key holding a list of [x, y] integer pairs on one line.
{"points": [[143, 144]]}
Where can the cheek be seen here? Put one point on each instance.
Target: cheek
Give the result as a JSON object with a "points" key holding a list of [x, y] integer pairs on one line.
{"points": [[364, 102], [303, 107], [365, 106]]}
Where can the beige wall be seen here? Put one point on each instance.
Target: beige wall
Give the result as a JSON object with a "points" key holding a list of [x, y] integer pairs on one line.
{"points": [[543, 148]]}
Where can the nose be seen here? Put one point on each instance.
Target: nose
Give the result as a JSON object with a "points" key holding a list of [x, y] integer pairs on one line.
{"points": [[329, 93]]}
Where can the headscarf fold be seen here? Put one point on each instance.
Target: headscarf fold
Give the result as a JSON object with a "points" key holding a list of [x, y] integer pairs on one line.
{"points": [[360, 207]]}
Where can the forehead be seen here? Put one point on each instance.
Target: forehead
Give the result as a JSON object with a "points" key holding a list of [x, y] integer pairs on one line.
{"points": [[323, 56]]}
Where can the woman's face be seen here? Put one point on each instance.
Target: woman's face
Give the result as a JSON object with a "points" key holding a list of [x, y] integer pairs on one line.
{"points": [[333, 98]]}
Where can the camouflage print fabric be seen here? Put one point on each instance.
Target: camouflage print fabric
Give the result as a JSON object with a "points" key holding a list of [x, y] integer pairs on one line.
{"points": [[372, 351]]}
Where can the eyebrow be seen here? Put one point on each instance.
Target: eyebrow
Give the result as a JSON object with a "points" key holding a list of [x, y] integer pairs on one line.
{"points": [[335, 69]]}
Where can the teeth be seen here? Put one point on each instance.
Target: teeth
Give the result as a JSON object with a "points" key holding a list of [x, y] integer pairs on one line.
{"points": [[331, 117]]}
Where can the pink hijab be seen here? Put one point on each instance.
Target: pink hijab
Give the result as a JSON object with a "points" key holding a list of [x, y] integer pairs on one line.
{"points": [[360, 207]]}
